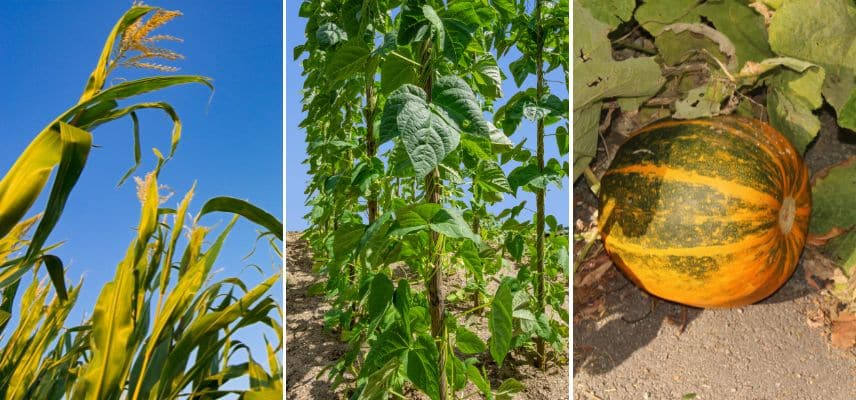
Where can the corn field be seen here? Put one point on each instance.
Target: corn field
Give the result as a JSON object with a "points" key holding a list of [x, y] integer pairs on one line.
{"points": [[164, 326]]}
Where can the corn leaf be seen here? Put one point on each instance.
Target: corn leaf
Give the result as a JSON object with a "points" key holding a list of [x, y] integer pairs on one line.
{"points": [[246, 210]]}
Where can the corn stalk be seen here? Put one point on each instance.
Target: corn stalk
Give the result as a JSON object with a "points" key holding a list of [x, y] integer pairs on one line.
{"points": [[127, 349]]}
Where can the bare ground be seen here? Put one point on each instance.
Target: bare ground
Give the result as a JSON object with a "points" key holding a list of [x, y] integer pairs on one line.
{"points": [[310, 347], [777, 349]]}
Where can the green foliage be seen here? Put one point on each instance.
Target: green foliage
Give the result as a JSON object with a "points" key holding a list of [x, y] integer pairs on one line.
{"points": [[795, 31], [708, 57], [597, 76], [832, 194], [408, 128]]}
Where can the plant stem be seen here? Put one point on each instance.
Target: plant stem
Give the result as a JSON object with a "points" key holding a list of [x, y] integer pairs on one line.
{"points": [[594, 183], [539, 194], [477, 292], [371, 147], [436, 297]]}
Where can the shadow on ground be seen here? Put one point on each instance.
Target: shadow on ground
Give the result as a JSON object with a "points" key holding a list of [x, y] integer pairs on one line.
{"points": [[633, 319]]}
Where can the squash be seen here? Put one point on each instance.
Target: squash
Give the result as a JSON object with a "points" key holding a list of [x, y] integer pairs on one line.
{"points": [[707, 213]]}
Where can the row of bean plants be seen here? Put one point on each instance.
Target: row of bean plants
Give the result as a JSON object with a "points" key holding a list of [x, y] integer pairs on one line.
{"points": [[411, 144]]}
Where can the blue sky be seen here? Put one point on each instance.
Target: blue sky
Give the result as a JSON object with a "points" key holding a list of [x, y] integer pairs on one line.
{"points": [[296, 173], [231, 145]]}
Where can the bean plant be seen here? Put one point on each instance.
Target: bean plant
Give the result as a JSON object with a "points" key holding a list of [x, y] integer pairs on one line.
{"points": [[407, 170]]}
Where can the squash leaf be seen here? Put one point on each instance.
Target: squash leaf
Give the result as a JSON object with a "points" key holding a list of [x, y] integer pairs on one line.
{"points": [[822, 32], [598, 76], [832, 195]]}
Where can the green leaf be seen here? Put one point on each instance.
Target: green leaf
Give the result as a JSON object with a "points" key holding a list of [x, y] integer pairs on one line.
{"points": [[586, 125], [499, 322], [133, 88], [832, 199], [432, 216], [99, 74], [411, 22], [498, 137], [822, 32], [57, 275], [489, 177], [200, 329], [263, 394], [488, 77], [514, 244], [597, 75], [521, 68], [329, 34], [508, 388], [743, 26], [396, 71], [347, 61], [112, 319], [390, 344], [703, 101], [376, 232], [610, 12], [422, 366], [528, 176], [791, 97], [479, 381], [468, 342], [533, 112], [380, 296], [843, 249], [562, 140], [461, 20], [75, 146], [346, 239], [654, 15], [245, 209], [456, 97], [506, 8], [366, 171], [680, 41], [401, 302], [511, 113], [437, 28], [428, 136]]}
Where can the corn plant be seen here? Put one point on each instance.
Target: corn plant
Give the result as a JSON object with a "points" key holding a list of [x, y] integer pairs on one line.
{"points": [[153, 333], [404, 169]]}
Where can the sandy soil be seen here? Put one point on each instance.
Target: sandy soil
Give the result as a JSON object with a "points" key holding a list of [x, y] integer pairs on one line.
{"points": [[310, 348], [763, 351], [770, 350]]}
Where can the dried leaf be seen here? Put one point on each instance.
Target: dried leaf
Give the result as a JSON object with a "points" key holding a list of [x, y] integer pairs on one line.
{"points": [[822, 239], [844, 331], [594, 275]]}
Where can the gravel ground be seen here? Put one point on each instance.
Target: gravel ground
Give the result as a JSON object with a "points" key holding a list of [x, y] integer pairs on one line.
{"points": [[763, 351]]}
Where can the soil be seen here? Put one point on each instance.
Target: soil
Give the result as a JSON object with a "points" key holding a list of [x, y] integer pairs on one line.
{"points": [[776, 349], [310, 347]]}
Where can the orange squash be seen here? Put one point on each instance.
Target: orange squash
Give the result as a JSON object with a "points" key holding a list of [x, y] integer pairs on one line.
{"points": [[708, 212]]}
